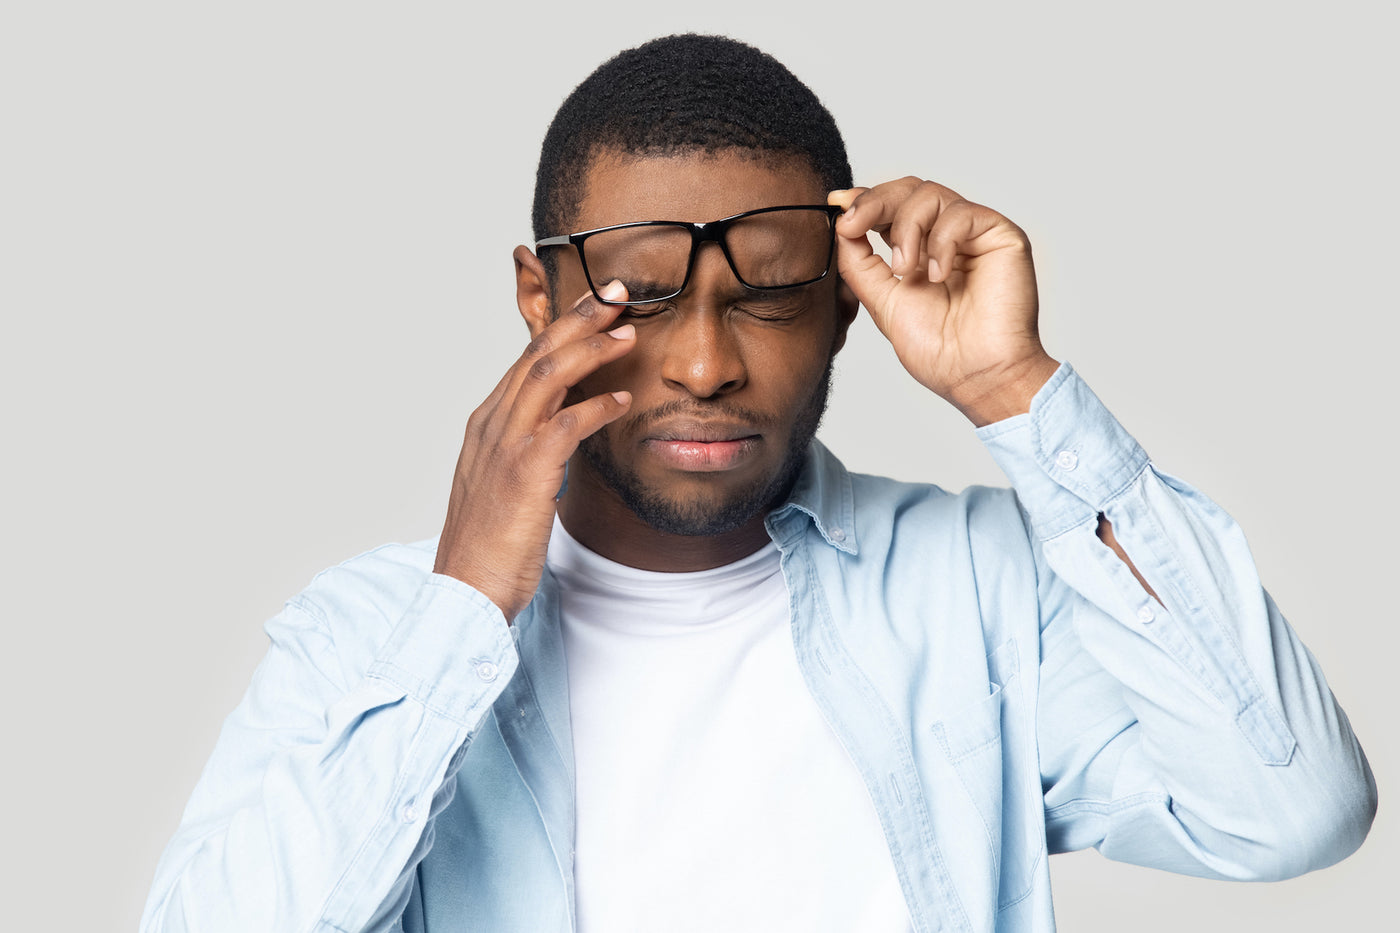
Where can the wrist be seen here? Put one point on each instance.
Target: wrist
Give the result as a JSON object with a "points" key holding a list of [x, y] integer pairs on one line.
{"points": [[498, 585], [993, 396]]}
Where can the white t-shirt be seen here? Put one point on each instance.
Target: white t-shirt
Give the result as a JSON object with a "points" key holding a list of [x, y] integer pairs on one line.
{"points": [[712, 795]]}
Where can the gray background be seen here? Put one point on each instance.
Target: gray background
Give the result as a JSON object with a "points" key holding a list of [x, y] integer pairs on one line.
{"points": [[255, 273]]}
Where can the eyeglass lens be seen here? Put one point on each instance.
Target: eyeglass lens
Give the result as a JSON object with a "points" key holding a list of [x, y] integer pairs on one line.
{"points": [[776, 249]]}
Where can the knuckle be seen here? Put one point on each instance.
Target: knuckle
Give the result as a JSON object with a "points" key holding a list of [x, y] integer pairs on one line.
{"points": [[542, 368], [539, 346], [477, 421], [566, 422]]}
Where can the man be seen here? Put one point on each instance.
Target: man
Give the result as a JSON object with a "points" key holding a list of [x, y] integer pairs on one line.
{"points": [[670, 666]]}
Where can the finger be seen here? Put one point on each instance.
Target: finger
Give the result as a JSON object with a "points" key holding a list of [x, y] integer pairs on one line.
{"points": [[560, 437], [867, 274], [546, 340], [586, 312], [874, 209], [868, 210], [547, 381], [861, 212], [966, 230], [844, 197], [913, 219], [586, 315]]}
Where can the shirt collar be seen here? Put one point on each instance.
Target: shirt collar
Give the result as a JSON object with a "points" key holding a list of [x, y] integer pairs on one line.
{"points": [[823, 492]]}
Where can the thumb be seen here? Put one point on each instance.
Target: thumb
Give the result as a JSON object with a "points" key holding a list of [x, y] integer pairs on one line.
{"points": [[869, 276]]}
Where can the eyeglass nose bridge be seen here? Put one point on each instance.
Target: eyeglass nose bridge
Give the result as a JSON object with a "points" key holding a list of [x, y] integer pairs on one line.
{"points": [[710, 231]]}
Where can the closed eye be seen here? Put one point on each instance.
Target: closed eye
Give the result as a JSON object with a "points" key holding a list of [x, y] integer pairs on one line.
{"points": [[641, 289], [774, 306], [642, 312]]}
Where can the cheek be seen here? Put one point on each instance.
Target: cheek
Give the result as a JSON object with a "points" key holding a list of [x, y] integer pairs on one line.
{"points": [[798, 360]]}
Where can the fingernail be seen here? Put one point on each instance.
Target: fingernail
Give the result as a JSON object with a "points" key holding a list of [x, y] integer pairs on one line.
{"points": [[625, 332], [935, 271], [623, 398], [613, 291], [897, 260]]}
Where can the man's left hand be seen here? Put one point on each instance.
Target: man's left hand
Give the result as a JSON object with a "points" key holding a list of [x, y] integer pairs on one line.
{"points": [[958, 299]]}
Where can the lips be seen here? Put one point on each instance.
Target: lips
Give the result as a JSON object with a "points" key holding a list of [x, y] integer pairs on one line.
{"points": [[701, 446]]}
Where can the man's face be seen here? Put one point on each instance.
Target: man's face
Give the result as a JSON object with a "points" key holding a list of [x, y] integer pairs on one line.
{"points": [[728, 384]]}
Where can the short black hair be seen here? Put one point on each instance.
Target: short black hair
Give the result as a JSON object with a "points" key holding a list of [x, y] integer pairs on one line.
{"points": [[677, 94]]}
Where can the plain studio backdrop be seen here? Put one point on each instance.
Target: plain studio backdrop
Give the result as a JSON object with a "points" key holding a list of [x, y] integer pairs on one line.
{"points": [[255, 273]]}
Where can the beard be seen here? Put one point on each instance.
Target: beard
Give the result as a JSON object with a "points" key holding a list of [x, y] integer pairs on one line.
{"points": [[703, 517]]}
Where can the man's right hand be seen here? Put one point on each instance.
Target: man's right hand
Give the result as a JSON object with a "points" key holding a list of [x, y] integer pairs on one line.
{"points": [[517, 446]]}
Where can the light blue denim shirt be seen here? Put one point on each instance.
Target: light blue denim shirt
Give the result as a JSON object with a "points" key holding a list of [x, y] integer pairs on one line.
{"points": [[1004, 685]]}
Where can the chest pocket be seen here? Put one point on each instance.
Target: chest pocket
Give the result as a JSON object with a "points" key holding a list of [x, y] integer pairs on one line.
{"points": [[989, 743]]}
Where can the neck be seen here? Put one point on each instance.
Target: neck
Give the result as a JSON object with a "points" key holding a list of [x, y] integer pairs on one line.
{"points": [[599, 520]]}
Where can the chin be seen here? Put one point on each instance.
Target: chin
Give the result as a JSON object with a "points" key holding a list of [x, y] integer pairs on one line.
{"points": [[695, 519]]}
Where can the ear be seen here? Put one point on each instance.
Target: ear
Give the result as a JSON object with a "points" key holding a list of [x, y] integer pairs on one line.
{"points": [[847, 307], [531, 290]]}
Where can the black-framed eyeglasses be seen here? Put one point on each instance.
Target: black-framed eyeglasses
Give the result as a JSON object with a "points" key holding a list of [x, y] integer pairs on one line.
{"points": [[767, 249]]}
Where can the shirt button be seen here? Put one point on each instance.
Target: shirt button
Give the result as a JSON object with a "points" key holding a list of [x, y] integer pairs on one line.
{"points": [[1066, 460], [838, 534], [1145, 614], [410, 813], [487, 671]]}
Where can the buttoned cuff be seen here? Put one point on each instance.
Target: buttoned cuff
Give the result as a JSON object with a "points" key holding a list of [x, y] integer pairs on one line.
{"points": [[452, 651], [1068, 457]]}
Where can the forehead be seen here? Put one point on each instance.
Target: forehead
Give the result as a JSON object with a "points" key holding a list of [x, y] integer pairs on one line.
{"points": [[693, 187]]}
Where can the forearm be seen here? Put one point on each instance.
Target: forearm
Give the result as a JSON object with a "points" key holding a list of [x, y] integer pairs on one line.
{"points": [[316, 805]]}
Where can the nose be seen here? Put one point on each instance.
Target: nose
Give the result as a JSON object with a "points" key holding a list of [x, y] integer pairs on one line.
{"points": [[702, 354]]}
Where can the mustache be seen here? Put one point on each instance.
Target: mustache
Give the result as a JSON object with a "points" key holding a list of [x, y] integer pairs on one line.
{"points": [[708, 411]]}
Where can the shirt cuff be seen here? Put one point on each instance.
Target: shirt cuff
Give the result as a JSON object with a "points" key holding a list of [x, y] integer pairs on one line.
{"points": [[1068, 457], [452, 651]]}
